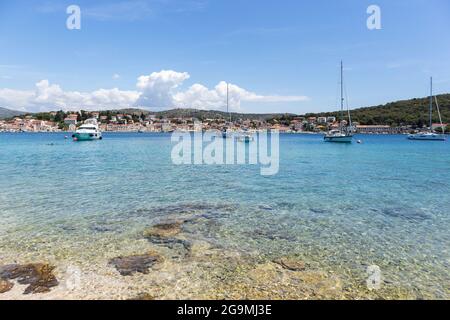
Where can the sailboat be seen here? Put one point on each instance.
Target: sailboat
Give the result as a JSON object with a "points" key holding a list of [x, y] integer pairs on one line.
{"points": [[343, 134], [246, 137], [430, 135], [224, 130]]}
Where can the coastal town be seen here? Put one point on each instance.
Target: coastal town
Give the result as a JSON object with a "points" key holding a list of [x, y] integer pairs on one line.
{"points": [[139, 122]]}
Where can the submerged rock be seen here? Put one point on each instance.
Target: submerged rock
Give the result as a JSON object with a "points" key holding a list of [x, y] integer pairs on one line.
{"points": [[291, 264], [318, 210], [163, 230], [67, 228], [271, 235], [171, 243], [38, 276], [265, 207], [127, 266], [285, 205], [412, 214], [189, 209], [5, 286], [164, 234], [102, 228]]}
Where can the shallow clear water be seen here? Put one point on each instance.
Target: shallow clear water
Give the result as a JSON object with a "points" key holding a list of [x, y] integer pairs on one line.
{"points": [[342, 207]]}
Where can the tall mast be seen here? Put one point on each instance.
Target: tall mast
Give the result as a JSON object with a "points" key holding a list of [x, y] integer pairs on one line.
{"points": [[228, 101], [342, 94], [431, 104]]}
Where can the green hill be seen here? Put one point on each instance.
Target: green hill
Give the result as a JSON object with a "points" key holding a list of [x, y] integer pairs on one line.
{"points": [[405, 112], [7, 113], [203, 114]]}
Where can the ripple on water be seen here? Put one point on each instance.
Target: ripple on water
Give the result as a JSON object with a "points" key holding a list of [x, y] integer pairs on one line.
{"points": [[369, 208], [409, 214]]}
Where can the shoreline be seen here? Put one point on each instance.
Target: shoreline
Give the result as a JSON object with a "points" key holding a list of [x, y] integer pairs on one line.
{"points": [[149, 132], [209, 274], [197, 267]]}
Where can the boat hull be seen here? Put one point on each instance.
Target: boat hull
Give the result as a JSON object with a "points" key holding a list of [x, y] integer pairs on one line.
{"points": [[246, 138], [343, 139], [87, 136], [420, 137]]}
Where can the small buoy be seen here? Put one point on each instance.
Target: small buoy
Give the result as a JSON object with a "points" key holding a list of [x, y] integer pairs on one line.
{"points": [[75, 139], [66, 137], [359, 141]]}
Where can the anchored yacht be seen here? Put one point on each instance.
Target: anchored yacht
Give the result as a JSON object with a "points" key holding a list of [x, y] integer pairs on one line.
{"points": [[88, 131], [427, 136], [228, 127], [344, 134], [246, 137], [430, 135], [338, 136]]}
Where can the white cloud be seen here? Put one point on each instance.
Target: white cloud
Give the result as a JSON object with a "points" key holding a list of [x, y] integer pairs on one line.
{"points": [[48, 96], [116, 76], [200, 97], [160, 90], [15, 99]]}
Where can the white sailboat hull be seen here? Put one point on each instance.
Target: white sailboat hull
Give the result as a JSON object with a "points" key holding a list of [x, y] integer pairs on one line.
{"points": [[430, 136], [344, 134], [427, 137]]}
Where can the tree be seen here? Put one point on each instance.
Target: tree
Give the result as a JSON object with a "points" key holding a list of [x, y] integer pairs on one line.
{"points": [[59, 117], [420, 123]]}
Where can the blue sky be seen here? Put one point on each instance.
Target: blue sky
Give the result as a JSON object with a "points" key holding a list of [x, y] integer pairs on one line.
{"points": [[279, 56]]}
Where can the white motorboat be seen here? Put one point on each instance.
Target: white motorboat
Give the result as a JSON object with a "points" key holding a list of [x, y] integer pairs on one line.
{"points": [[88, 131]]}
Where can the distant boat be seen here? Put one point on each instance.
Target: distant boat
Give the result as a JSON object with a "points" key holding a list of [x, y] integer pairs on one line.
{"points": [[430, 135], [427, 136], [88, 131], [224, 133], [246, 137], [225, 129], [343, 134]]}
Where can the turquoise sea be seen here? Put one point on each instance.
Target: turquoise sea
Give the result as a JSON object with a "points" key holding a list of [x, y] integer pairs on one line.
{"points": [[340, 208]]}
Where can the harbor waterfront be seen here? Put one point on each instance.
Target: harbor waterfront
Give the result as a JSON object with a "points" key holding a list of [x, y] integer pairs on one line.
{"points": [[116, 219]]}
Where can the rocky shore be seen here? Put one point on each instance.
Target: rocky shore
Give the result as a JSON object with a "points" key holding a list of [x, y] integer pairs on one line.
{"points": [[179, 264]]}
